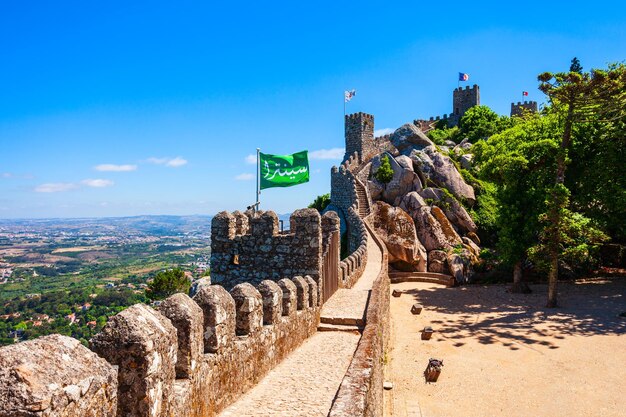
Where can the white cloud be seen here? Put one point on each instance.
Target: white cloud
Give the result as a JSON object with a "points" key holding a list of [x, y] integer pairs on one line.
{"points": [[115, 168], [383, 132], [169, 162], [251, 159], [158, 161], [176, 162], [244, 177], [97, 183], [55, 187], [7, 175], [334, 153]]}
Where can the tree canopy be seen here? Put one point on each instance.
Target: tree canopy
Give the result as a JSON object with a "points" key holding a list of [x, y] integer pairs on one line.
{"points": [[167, 283]]}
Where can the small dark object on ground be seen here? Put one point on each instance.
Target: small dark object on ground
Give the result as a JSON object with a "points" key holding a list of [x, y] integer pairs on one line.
{"points": [[416, 309], [396, 293], [623, 314], [433, 370], [427, 333]]}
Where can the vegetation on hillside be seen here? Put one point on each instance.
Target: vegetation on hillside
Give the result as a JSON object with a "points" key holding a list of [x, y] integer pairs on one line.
{"points": [[321, 202], [557, 220], [384, 173], [167, 283]]}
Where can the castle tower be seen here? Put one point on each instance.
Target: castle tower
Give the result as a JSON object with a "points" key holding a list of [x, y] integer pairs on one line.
{"points": [[359, 134], [464, 99], [526, 107]]}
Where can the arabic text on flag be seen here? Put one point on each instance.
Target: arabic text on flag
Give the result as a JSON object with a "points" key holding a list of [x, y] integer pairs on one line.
{"points": [[284, 170]]}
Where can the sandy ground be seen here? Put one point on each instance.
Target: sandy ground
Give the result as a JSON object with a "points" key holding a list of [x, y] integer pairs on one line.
{"points": [[506, 355]]}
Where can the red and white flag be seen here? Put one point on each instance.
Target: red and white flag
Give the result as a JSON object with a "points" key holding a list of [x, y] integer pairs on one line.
{"points": [[524, 93], [347, 95]]}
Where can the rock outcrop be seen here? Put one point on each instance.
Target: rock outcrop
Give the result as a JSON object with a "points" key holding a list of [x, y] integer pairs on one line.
{"points": [[404, 179], [442, 172], [409, 136], [397, 230], [53, 375], [454, 211]]}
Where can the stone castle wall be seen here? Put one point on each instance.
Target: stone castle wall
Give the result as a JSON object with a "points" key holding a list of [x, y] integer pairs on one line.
{"points": [[189, 358], [520, 108], [351, 268], [462, 100], [344, 197], [359, 135], [249, 247]]}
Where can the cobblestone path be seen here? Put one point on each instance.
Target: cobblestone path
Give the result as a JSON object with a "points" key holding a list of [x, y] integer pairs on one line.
{"points": [[305, 383]]}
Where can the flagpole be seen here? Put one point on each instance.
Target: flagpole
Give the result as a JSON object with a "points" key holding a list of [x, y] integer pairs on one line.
{"points": [[258, 178]]}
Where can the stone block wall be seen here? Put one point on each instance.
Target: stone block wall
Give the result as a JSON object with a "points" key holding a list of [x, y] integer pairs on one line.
{"points": [[249, 247], [189, 358], [462, 100], [526, 107], [465, 98], [353, 266], [342, 188], [359, 135]]}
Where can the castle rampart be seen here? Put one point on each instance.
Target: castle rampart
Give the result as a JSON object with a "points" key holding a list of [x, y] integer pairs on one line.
{"points": [[463, 99], [249, 247], [526, 107], [189, 358]]}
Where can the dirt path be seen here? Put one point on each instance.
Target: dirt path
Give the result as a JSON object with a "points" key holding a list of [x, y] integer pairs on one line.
{"points": [[506, 355]]}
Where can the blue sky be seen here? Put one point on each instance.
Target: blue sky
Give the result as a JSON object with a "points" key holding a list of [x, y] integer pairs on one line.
{"points": [[110, 109]]}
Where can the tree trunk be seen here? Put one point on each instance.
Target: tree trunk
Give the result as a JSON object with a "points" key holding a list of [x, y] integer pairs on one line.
{"points": [[519, 286], [552, 280], [554, 212]]}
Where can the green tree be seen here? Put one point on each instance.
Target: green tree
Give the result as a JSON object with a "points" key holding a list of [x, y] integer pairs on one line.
{"points": [[480, 122], [320, 202], [576, 98], [166, 283], [520, 161], [384, 173]]}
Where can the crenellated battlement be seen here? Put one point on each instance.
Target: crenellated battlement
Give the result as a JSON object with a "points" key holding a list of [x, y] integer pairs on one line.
{"points": [[526, 107], [249, 247], [463, 99], [359, 134], [188, 358]]}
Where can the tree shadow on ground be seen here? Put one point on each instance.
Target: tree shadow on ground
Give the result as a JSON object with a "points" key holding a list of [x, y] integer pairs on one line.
{"points": [[491, 314]]}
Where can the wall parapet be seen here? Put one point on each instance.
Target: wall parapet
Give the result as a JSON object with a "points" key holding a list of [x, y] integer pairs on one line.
{"points": [[188, 358], [352, 267], [248, 247]]}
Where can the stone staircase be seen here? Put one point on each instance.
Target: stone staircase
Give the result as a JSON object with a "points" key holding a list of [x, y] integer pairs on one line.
{"points": [[363, 202], [433, 277]]}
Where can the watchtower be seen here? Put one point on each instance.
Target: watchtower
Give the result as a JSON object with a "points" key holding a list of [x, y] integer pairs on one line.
{"points": [[526, 107], [359, 135], [463, 99]]}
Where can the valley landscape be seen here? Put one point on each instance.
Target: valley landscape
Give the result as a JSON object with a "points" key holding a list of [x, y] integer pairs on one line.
{"points": [[62, 274]]}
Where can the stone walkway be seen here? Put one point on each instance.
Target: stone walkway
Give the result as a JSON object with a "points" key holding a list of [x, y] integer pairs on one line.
{"points": [[306, 382], [347, 306]]}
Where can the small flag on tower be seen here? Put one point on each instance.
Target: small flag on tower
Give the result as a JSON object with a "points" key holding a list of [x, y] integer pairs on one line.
{"points": [[524, 93], [463, 76], [347, 95]]}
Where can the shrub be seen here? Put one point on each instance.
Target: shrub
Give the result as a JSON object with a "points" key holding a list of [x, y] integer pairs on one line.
{"points": [[384, 173]]}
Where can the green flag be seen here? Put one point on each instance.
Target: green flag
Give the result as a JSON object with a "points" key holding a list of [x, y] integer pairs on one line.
{"points": [[284, 170]]}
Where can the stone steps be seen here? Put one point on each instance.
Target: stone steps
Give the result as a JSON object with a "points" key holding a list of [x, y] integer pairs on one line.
{"points": [[326, 327], [343, 321], [432, 277], [362, 199]]}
